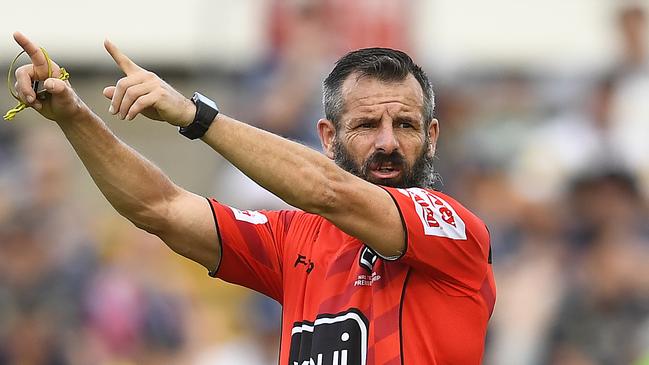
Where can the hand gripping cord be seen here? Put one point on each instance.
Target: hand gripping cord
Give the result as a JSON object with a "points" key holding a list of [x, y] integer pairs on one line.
{"points": [[64, 75]]}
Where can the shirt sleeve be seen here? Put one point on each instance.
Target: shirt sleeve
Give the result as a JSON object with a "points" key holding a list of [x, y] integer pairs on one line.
{"points": [[252, 244], [443, 238]]}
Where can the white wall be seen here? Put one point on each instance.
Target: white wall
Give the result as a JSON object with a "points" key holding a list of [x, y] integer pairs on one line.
{"points": [[447, 33], [564, 33], [226, 32]]}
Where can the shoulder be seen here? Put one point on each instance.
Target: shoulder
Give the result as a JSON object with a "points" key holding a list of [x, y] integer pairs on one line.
{"points": [[439, 213], [296, 222]]}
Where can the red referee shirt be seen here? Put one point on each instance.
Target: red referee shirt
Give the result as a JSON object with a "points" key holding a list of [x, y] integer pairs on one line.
{"points": [[344, 305]]}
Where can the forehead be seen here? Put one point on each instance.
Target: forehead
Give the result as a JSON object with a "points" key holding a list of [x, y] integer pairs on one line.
{"points": [[368, 96]]}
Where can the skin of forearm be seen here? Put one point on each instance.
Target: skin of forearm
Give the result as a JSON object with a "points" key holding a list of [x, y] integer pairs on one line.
{"points": [[134, 186], [310, 181], [302, 177]]}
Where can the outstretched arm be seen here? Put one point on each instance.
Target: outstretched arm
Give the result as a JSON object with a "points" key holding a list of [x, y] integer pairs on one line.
{"points": [[134, 186], [297, 174], [310, 181]]}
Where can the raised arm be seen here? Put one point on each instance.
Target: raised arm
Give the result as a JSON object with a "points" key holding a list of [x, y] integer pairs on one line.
{"points": [[297, 174], [135, 187]]}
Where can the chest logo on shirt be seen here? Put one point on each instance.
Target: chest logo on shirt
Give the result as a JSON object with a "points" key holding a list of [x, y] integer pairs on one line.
{"points": [[339, 339], [368, 258], [303, 260], [437, 216], [367, 280]]}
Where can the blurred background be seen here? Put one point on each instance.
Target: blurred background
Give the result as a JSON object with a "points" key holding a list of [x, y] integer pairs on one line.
{"points": [[544, 112]]}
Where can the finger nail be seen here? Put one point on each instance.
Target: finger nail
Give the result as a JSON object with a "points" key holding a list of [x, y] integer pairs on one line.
{"points": [[30, 99], [37, 105], [111, 110]]}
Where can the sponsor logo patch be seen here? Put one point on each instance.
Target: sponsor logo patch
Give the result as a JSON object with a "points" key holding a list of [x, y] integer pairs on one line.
{"points": [[250, 216], [339, 339], [437, 216]]}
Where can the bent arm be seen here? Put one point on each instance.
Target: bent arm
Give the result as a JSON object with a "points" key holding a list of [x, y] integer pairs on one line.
{"points": [[310, 181], [141, 192]]}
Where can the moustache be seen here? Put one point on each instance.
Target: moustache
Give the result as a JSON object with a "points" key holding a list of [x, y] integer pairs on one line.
{"points": [[378, 158]]}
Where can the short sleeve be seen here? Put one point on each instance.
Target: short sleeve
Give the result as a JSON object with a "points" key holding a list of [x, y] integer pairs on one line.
{"points": [[251, 247], [443, 238]]}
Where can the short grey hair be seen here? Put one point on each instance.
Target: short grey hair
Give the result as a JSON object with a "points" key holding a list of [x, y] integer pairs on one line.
{"points": [[384, 64]]}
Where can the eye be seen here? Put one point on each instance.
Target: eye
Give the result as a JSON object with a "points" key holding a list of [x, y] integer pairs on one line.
{"points": [[366, 124], [406, 125]]}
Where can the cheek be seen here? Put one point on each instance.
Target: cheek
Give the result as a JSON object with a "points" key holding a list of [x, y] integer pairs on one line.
{"points": [[359, 144], [412, 145]]}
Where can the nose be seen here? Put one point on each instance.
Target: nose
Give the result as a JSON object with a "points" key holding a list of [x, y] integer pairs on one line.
{"points": [[386, 140]]}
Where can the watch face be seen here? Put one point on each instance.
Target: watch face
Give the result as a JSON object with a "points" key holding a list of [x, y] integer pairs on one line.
{"points": [[211, 103], [198, 97]]}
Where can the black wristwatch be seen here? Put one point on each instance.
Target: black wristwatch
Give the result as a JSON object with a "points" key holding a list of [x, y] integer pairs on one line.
{"points": [[206, 111]]}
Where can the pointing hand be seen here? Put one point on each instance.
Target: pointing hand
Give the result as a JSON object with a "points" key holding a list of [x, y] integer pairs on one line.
{"points": [[60, 103], [143, 92]]}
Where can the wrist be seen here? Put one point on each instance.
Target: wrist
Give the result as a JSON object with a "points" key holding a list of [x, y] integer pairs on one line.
{"points": [[81, 113], [205, 111], [188, 115]]}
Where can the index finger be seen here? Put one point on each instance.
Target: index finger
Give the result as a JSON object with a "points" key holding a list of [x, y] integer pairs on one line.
{"points": [[124, 63], [35, 54]]}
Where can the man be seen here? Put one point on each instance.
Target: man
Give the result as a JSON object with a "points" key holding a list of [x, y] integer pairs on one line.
{"points": [[376, 268]]}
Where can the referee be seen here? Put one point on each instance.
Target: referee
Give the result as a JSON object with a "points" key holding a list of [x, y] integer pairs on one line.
{"points": [[375, 268]]}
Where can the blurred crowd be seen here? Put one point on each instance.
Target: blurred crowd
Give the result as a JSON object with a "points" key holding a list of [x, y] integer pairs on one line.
{"points": [[557, 165]]}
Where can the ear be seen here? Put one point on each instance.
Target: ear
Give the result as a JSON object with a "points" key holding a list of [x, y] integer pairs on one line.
{"points": [[433, 132], [327, 133]]}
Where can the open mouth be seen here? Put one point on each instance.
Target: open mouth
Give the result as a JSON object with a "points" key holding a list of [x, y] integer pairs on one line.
{"points": [[385, 170]]}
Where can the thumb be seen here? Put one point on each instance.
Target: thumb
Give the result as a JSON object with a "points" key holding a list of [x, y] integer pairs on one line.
{"points": [[109, 91], [55, 86]]}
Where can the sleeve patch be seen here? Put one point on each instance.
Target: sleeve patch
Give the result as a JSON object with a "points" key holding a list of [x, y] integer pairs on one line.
{"points": [[250, 216], [437, 216]]}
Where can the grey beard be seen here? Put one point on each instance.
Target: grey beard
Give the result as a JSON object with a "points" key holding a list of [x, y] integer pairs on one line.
{"points": [[422, 173]]}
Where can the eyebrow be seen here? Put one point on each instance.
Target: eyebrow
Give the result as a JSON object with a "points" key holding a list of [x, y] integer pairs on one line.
{"points": [[400, 119], [365, 120], [407, 119]]}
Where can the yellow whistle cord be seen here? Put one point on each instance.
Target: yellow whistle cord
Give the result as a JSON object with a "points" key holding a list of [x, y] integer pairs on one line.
{"points": [[64, 75]]}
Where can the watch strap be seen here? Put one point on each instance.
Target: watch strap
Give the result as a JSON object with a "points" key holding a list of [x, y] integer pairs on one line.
{"points": [[206, 111]]}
